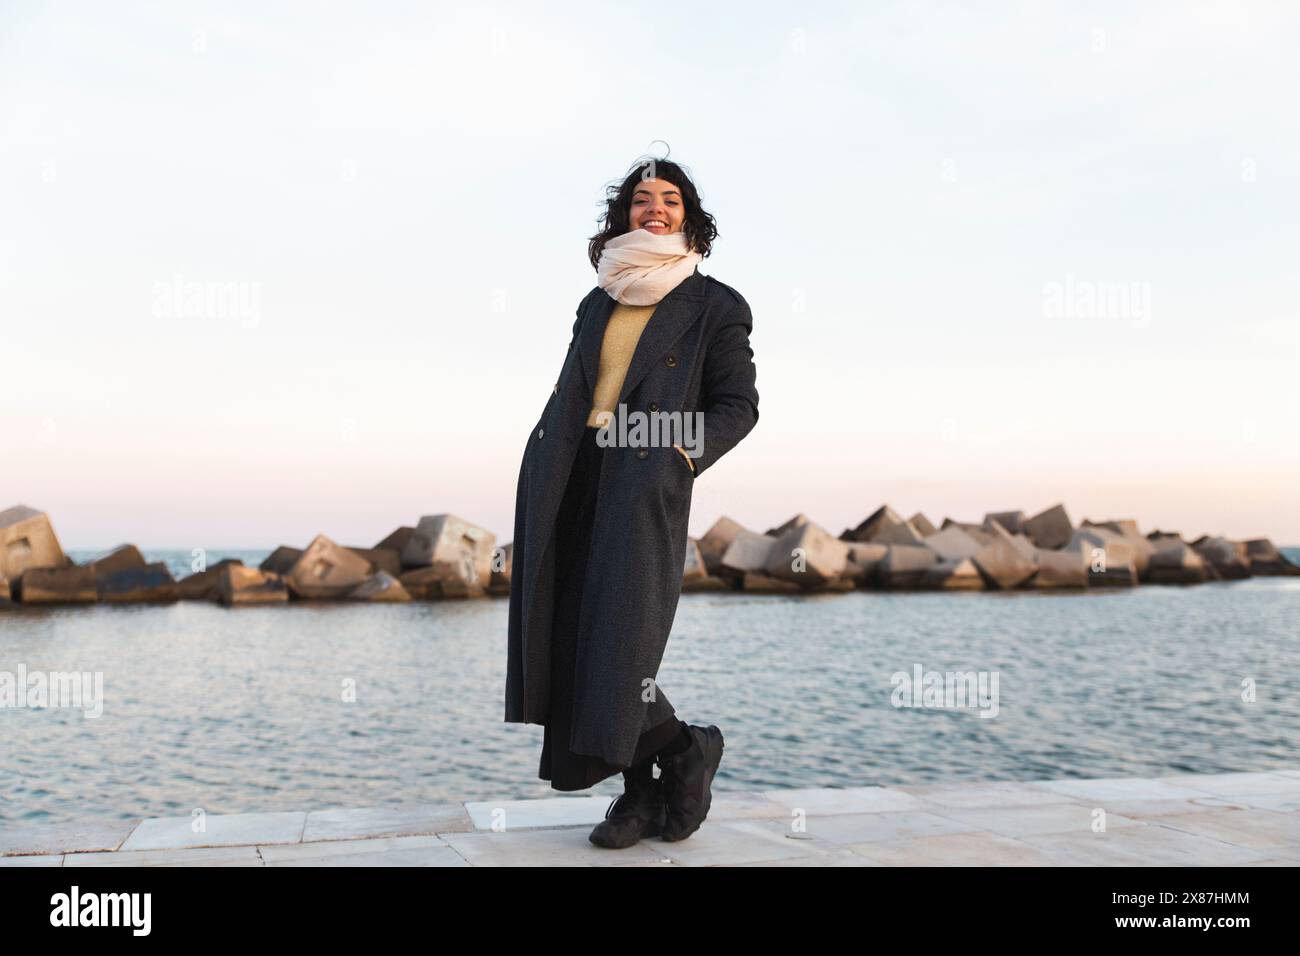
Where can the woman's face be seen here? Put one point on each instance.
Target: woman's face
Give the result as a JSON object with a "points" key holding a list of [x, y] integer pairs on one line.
{"points": [[656, 207]]}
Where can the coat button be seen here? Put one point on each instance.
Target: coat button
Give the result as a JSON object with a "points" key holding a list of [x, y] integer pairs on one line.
{"points": [[541, 432], [643, 453], [671, 361], [654, 406]]}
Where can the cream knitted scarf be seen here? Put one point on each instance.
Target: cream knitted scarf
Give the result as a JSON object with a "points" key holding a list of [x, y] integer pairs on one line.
{"points": [[640, 268]]}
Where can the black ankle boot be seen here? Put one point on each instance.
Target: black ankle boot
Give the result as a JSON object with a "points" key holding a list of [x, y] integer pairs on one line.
{"points": [[687, 778], [638, 812]]}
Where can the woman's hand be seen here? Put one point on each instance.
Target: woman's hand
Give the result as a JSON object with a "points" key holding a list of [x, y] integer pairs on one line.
{"points": [[689, 460]]}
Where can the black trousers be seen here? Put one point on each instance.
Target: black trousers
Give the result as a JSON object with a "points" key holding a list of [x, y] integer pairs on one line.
{"points": [[573, 525]]}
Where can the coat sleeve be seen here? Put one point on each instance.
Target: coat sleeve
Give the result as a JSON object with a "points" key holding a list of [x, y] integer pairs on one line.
{"points": [[728, 387]]}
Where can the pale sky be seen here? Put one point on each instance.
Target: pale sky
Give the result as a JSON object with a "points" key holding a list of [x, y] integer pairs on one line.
{"points": [[926, 207]]}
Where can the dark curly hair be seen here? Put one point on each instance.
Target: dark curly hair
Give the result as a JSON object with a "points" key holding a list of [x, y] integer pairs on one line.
{"points": [[698, 225]]}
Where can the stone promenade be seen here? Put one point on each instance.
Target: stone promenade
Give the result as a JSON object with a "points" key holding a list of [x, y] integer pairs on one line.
{"points": [[1235, 819]]}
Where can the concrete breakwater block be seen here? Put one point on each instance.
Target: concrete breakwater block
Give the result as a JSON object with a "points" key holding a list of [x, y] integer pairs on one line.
{"points": [[766, 584], [239, 585], [423, 584], [954, 574], [1009, 561], [1012, 521], [204, 585], [1173, 561], [923, 525], [74, 585], [122, 576], [326, 571], [432, 584], [1266, 559], [977, 532], [863, 565], [693, 567], [27, 540], [807, 555], [695, 572], [397, 540], [380, 587], [953, 544], [281, 560], [716, 541], [903, 532], [151, 583], [126, 557], [1127, 530], [1060, 569], [381, 559], [906, 566], [876, 523], [1228, 559], [1050, 529], [747, 554], [458, 552], [1110, 559]]}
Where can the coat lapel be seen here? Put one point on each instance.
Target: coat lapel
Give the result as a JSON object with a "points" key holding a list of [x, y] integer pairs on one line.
{"points": [[671, 318]]}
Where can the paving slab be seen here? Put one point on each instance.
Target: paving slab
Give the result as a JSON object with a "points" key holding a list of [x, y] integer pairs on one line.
{"points": [[963, 849], [1123, 788], [1282, 802], [843, 829], [388, 851], [746, 806], [1145, 810], [66, 837], [988, 795], [1050, 818], [838, 857], [1277, 832], [1145, 845], [530, 814], [1237, 784], [846, 800], [234, 829], [193, 856], [386, 821], [737, 841], [48, 859], [421, 856], [561, 846]]}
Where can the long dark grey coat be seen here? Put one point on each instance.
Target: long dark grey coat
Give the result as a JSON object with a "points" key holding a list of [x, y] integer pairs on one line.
{"points": [[693, 355]]}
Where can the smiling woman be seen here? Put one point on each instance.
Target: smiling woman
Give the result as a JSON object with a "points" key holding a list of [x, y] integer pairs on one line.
{"points": [[600, 529]]}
